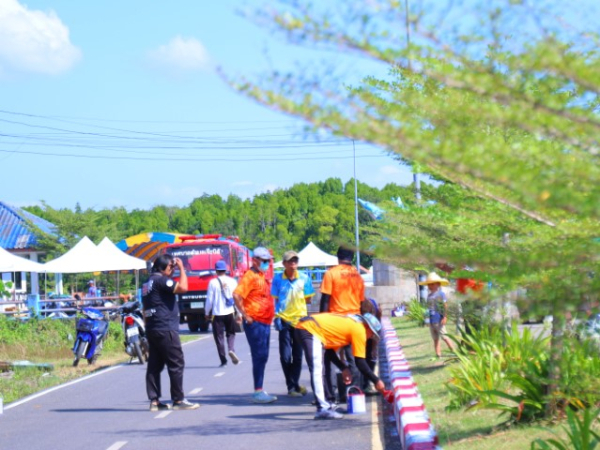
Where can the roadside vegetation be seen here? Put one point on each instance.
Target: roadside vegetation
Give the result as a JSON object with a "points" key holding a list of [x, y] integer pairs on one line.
{"points": [[47, 341], [491, 393]]}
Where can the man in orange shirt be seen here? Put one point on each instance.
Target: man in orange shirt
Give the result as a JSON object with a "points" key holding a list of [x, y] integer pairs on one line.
{"points": [[342, 288], [342, 291], [332, 332], [254, 302]]}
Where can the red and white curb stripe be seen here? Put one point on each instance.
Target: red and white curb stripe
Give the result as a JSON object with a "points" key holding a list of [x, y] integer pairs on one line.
{"points": [[412, 422]]}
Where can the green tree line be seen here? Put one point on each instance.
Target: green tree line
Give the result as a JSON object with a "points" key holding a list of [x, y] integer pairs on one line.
{"points": [[321, 212]]}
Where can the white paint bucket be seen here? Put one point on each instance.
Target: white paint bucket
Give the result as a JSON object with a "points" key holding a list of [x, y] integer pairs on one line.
{"points": [[356, 400]]}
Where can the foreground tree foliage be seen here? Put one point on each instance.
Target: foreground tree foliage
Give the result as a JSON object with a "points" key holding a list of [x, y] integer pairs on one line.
{"points": [[499, 99]]}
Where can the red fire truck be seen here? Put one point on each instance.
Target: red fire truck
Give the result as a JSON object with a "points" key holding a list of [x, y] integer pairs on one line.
{"points": [[199, 255]]}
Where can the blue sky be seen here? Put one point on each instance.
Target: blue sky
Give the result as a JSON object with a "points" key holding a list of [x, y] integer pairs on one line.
{"points": [[117, 103]]}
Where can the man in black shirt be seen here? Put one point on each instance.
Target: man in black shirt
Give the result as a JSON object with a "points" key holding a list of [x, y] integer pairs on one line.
{"points": [[161, 313]]}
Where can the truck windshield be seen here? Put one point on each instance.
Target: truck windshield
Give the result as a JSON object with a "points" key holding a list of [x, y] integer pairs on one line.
{"points": [[200, 260]]}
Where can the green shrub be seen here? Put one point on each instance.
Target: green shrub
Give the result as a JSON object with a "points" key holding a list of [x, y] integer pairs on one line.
{"points": [[580, 433], [416, 311], [499, 369], [508, 371], [580, 373]]}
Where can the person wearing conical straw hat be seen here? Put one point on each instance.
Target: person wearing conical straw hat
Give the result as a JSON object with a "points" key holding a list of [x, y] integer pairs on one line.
{"points": [[438, 311]]}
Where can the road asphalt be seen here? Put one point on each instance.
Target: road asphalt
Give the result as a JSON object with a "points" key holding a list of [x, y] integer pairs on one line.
{"points": [[108, 410]]}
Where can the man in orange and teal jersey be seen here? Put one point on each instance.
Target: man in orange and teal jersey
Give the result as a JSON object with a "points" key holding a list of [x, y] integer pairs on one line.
{"points": [[332, 332], [254, 302], [292, 290], [342, 291]]}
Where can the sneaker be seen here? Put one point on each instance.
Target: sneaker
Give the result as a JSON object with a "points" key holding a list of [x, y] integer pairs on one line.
{"points": [[327, 414], [302, 390], [159, 406], [185, 404], [370, 389], [263, 397], [223, 364], [295, 393], [339, 408], [234, 357]]}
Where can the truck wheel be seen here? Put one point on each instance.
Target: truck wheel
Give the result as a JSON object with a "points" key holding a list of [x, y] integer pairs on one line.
{"points": [[204, 325], [194, 326]]}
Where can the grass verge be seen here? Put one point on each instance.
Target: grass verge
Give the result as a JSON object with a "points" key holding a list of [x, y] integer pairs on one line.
{"points": [[51, 342], [467, 429]]}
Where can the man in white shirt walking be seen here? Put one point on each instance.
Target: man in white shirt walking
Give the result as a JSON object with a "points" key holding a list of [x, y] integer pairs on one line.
{"points": [[220, 305]]}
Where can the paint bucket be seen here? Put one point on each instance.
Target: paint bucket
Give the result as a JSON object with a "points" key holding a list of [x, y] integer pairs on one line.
{"points": [[356, 400]]}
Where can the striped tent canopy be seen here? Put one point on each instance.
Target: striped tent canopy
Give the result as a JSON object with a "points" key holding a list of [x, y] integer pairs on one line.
{"points": [[147, 245]]}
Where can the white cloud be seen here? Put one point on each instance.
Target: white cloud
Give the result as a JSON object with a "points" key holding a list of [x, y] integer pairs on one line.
{"points": [[180, 55], [242, 183], [34, 41], [269, 188], [390, 170]]}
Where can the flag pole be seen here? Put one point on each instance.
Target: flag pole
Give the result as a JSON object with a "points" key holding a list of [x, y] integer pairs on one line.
{"points": [[356, 210]]}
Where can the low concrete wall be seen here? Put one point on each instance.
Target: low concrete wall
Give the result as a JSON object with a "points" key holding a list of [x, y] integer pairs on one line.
{"points": [[391, 285]]}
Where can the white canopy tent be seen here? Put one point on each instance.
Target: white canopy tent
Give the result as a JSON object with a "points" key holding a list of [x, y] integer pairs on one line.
{"points": [[312, 256], [83, 257], [14, 263], [118, 259]]}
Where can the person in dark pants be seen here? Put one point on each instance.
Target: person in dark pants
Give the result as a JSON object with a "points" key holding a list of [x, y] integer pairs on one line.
{"points": [[342, 290], [292, 290], [220, 307], [254, 302], [331, 332], [371, 306], [161, 314]]}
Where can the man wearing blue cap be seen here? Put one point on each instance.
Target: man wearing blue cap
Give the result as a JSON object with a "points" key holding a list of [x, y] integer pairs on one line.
{"points": [[332, 332], [220, 307]]}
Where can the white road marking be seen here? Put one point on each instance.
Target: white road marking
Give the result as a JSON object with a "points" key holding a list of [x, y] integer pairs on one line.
{"points": [[219, 374], [376, 426], [195, 391], [87, 377], [163, 414], [117, 445], [200, 338], [377, 430]]}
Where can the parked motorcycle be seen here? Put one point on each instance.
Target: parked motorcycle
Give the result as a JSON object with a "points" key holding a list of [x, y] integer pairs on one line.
{"points": [[91, 333], [134, 330]]}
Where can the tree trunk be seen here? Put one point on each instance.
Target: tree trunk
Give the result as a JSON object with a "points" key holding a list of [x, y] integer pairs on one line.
{"points": [[556, 349]]}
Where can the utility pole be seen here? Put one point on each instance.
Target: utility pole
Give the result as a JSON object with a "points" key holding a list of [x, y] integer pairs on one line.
{"points": [[356, 211], [422, 290]]}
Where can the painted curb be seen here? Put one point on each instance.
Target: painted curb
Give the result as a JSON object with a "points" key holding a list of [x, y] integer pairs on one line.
{"points": [[412, 422]]}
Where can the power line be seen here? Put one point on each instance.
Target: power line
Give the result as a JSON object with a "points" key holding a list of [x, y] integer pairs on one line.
{"points": [[169, 146], [98, 119], [203, 159]]}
